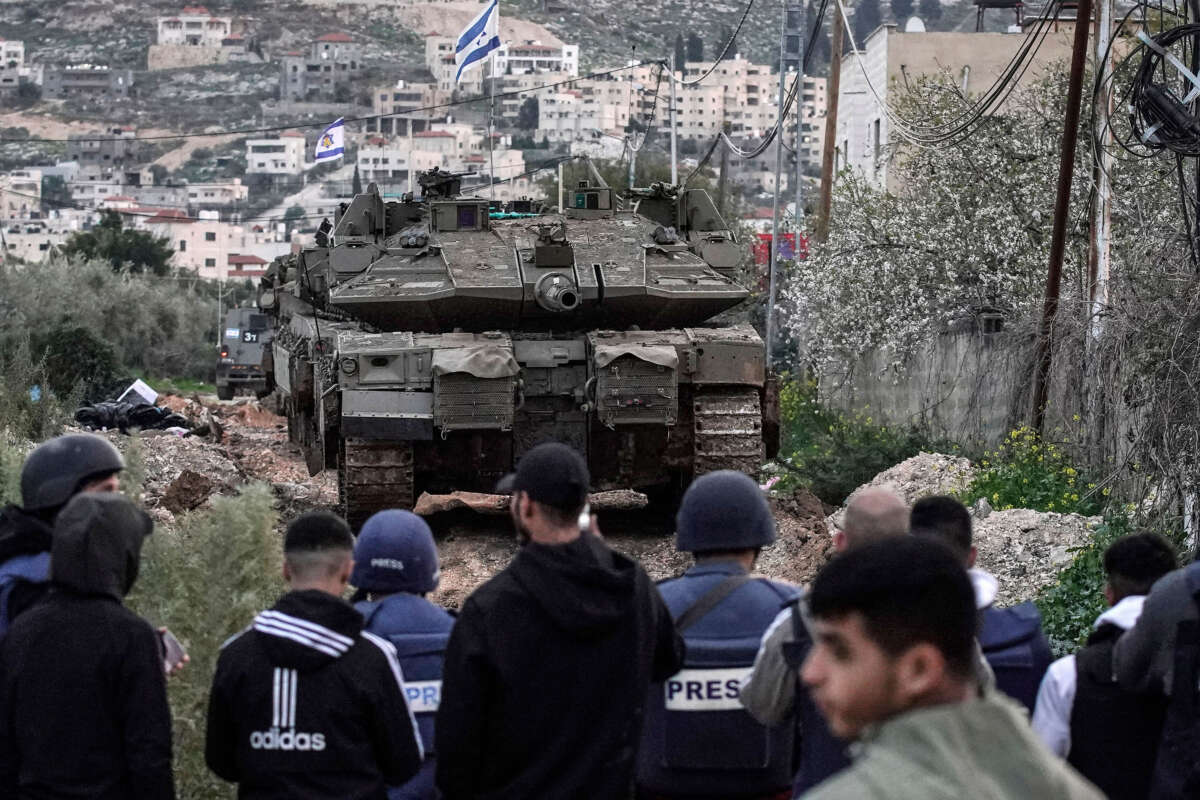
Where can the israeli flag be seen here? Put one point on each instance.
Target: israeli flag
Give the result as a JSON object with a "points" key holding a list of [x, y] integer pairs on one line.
{"points": [[332, 143], [480, 38]]}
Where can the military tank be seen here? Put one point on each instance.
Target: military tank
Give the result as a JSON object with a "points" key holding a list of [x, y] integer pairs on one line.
{"points": [[426, 344]]}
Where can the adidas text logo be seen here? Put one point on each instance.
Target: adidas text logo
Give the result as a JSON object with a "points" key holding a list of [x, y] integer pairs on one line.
{"points": [[275, 739]]}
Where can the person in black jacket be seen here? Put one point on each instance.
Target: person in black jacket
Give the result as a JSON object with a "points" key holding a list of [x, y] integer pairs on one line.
{"points": [[53, 473], [547, 669], [82, 686], [305, 703]]}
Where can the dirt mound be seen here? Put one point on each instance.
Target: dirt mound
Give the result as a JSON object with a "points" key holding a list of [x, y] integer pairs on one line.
{"points": [[1026, 549], [923, 474], [803, 544], [188, 491], [252, 414]]}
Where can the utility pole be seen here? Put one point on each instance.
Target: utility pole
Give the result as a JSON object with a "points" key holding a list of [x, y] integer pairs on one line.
{"points": [[560, 188], [1098, 250], [724, 174], [775, 214], [833, 87], [1043, 359], [798, 217], [632, 164], [671, 106]]}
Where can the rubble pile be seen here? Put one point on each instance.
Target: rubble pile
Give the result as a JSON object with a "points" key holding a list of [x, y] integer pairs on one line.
{"points": [[923, 474], [1027, 549]]}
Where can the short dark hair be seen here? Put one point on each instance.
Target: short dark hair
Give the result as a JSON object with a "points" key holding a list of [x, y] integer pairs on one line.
{"points": [[909, 591], [943, 518], [317, 542], [1133, 563]]}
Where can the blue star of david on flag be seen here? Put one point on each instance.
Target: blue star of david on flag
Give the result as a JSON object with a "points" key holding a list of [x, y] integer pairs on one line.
{"points": [[479, 38]]}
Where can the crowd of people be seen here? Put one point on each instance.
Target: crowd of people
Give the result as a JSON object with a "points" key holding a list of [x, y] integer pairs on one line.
{"points": [[570, 674]]}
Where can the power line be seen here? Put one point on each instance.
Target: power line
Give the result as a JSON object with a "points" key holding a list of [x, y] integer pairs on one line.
{"points": [[308, 125], [724, 50]]}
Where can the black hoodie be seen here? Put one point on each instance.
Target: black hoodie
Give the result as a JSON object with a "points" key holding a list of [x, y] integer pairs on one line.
{"points": [[82, 687], [305, 704], [546, 674]]}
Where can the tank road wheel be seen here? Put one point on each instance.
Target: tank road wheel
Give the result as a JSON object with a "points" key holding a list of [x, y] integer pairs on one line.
{"points": [[373, 476], [727, 428]]}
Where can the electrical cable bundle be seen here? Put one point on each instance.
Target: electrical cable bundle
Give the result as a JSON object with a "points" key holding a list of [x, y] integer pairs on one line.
{"points": [[1163, 94]]}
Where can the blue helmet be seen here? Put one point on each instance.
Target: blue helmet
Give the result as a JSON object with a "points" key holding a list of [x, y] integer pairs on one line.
{"points": [[723, 510], [395, 553]]}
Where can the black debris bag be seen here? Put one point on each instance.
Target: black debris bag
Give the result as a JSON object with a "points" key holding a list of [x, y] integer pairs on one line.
{"points": [[123, 416]]}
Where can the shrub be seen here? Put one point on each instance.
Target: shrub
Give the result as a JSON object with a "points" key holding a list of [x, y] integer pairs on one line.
{"points": [[1026, 471], [77, 357], [1071, 605], [833, 452], [205, 580], [29, 408]]}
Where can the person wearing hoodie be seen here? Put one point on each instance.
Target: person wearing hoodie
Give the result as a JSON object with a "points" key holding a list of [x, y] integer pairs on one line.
{"points": [[893, 667], [395, 566], [305, 704], [1012, 639], [698, 741], [1083, 715], [52, 474], [82, 684], [547, 669]]}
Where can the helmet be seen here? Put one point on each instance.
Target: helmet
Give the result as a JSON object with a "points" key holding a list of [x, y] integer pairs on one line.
{"points": [[723, 510], [395, 553], [54, 471]]}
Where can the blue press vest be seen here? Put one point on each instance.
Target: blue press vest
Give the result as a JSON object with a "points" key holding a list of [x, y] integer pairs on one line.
{"points": [[697, 738], [1016, 650], [420, 631]]}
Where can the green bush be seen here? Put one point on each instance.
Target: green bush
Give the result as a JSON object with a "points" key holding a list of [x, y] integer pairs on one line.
{"points": [[831, 452], [1071, 605], [160, 326], [76, 357], [206, 579], [29, 408], [1026, 471]]}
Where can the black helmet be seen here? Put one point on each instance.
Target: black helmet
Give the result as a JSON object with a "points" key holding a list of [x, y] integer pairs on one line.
{"points": [[723, 510], [55, 469]]}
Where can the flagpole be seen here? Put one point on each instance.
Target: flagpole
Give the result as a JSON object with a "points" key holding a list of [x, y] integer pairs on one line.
{"points": [[491, 114]]}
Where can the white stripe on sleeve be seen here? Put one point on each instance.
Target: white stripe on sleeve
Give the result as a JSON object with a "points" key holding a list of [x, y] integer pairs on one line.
{"points": [[389, 652]]}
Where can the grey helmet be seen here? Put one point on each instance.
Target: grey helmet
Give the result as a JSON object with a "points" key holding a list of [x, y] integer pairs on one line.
{"points": [[56, 469], [723, 510]]}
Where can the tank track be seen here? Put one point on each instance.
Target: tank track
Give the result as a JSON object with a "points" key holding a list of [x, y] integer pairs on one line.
{"points": [[727, 429], [373, 476]]}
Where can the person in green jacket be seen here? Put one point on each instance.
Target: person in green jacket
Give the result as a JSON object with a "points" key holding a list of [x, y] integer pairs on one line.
{"points": [[892, 668]]}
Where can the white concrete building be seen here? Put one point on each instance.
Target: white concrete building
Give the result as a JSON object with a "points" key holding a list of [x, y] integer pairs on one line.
{"points": [[973, 61], [194, 26], [205, 244], [21, 194], [285, 154]]}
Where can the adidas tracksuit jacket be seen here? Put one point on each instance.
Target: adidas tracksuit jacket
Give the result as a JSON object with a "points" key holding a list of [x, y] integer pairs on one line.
{"points": [[305, 704]]}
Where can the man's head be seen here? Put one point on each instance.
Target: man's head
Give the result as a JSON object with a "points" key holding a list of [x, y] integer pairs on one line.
{"points": [[59, 469], [1133, 563], [549, 490], [945, 519], [723, 513], [318, 552], [395, 553], [894, 629], [872, 514]]}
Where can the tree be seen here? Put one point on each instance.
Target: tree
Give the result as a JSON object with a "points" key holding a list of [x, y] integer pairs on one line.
{"points": [[867, 17], [680, 52], [160, 173], [121, 247], [293, 215], [55, 193], [356, 183], [902, 10], [695, 47], [731, 51], [528, 113], [930, 10]]}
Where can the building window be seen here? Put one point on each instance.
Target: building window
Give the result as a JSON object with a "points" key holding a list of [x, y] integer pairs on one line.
{"points": [[210, 236], [210, 262], [183, 245]]}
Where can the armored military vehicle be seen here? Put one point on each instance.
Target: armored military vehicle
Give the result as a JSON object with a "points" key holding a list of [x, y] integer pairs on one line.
{"points": [[245, 339], [427, 344]]}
